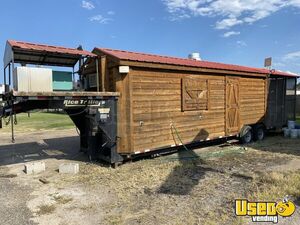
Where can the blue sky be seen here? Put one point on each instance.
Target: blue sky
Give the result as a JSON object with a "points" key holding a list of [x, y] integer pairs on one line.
{"points": [[230, 31]]}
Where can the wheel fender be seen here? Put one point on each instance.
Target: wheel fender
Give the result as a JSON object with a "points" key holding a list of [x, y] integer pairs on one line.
{"points": [[257, 126], [244, 130]]}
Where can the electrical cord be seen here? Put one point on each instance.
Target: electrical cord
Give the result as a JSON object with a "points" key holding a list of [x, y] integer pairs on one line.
{"points": [[8, 121], [15, 120], [76, 114]]}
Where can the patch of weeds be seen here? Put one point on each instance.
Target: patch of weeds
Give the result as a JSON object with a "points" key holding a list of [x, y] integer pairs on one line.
{"points": [[276, 185], [46, 209], [114, 219], [222, 216]]}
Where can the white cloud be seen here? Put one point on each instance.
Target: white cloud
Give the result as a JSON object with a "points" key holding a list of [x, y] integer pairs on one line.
{"points": [[179, 17], [241, 44], [231, 33], [100, 19], [111, 13], [227, 23], [292, 56], [232, 12], [87, 5]]}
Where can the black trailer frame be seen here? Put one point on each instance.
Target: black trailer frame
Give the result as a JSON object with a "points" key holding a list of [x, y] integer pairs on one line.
{"points": [[95, 116]]}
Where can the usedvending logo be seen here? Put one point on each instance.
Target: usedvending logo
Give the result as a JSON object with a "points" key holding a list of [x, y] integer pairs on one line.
{"points": [[80, 102], [264, 211]]}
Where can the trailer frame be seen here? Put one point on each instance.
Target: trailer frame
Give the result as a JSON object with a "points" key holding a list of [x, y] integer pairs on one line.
{"points": [[94, 114]]}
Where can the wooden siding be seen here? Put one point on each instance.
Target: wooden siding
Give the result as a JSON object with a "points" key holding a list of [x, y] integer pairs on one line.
{"points": [[150, 108], [157, 105], [124, 112], [150, 103], [252, 100], [183, 69]]}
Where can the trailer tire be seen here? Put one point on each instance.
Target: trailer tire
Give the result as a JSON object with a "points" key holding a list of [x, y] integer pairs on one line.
{"points": [[247, 137], [259, 133]]}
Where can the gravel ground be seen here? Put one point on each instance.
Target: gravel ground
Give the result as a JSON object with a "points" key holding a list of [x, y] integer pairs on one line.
{"points": [[13, 198], [194, 187]]}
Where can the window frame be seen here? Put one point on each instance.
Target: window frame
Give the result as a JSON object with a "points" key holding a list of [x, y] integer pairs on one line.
{"points": [[184, 97]]}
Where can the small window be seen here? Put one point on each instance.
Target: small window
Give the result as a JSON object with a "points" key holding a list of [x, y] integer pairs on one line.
{"points": [[291, 86], [194, 94]]}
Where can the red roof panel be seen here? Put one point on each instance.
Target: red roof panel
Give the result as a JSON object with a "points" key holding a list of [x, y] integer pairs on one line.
{"points": [[48, 48], [150, 58]]}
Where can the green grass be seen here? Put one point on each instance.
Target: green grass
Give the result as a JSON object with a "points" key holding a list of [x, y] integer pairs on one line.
{"points": [[298, 119], [40, 121]]}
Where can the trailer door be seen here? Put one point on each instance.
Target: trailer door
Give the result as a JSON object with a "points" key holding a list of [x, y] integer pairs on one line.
{"points": [[290, 99], [232, 122], [275, 108]]}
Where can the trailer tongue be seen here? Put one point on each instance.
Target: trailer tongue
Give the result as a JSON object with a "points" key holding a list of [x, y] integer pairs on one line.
{"points": [[93, 113]]}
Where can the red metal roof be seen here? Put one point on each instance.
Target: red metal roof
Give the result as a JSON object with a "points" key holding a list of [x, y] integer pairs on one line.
{"points": [[48, 48], [150, 58]]}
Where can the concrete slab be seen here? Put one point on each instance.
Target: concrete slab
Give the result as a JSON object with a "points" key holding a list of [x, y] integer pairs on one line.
{"points": [[34, 167], [69, 168]]}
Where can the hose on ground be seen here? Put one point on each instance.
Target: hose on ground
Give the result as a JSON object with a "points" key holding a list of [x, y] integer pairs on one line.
{"points": [[178, 136]]}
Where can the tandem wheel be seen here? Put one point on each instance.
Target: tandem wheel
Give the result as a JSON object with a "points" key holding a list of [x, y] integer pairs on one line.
{"points": [[258, 133], [247, 137]]}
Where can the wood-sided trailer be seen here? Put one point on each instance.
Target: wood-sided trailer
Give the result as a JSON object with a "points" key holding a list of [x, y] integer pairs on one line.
{"points": [[162, 102], [166, 101]]}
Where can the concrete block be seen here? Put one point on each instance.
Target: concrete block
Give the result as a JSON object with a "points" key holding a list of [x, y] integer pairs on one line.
{"points": [[35, 167], [70, 168]]}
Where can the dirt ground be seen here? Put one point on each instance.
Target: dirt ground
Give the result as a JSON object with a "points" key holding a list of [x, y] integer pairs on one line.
{"points": [[198, 186]]}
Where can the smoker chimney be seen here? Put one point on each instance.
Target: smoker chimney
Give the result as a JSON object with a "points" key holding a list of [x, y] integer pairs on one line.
{"points": [[195, 56]]}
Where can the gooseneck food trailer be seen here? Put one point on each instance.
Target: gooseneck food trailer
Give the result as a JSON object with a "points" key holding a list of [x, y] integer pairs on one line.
{"points": [[131, 104]]}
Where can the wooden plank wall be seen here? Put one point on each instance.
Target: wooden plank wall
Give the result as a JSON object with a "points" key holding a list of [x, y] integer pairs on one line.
{"points": [[122, 85], [252, 99], [156, 104], [151, 101]]}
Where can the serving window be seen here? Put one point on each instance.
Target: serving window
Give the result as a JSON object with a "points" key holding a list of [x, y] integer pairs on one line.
{"points": [[195, 94]]}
